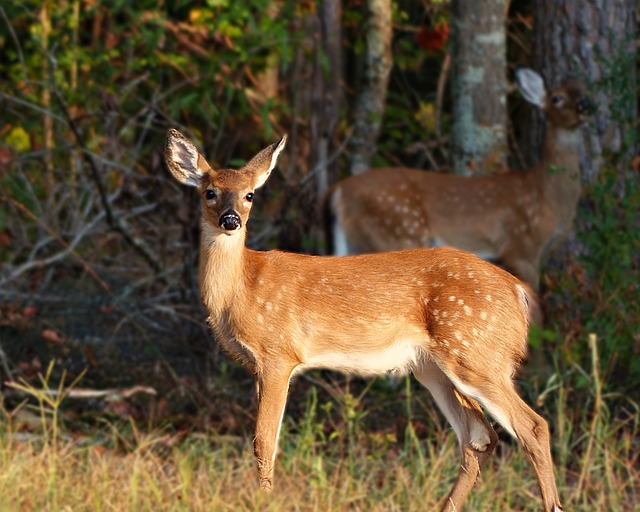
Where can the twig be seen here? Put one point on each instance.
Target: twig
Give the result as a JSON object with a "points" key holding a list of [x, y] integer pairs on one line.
{"points": [[30, 105], [5, 363], [112, 394], [442, 82], [586, 464], [118, 224], [426, 147], [311, 174], [69, 248], [16, 41]]}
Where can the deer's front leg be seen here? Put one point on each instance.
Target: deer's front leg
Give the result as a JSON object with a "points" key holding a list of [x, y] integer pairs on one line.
{"points": [[272, 386]]}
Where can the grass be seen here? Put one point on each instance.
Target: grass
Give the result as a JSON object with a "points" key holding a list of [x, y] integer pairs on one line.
{"points": [[349, 468]]}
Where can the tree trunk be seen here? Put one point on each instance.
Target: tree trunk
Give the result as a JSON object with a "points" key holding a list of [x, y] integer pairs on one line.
{"points": [[370, 104], [594, 41], [327, 92], [478, 85]]}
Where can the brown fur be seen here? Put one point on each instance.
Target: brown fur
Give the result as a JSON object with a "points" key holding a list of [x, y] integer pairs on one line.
{"points": [[513, 218]]}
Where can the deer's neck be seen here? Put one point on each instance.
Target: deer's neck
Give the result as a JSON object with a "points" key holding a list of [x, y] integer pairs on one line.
{"points": [[221, 268], [559, 169]]}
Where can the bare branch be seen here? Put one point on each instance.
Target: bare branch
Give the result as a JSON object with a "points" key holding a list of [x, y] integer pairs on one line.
{"points": [[118, 224], [112, 394], [69, 247]]}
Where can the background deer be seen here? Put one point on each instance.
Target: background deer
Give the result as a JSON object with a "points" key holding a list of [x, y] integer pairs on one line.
{"points": [[512, 218], [458, 323]]}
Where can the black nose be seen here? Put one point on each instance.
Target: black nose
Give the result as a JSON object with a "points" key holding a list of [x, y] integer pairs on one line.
{"points": [[586, 106], [230, 221]]}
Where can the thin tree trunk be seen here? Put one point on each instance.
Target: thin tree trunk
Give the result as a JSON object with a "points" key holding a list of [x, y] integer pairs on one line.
{"points": [[47, 120], [328, 91], [371, 101], [478, 85]]}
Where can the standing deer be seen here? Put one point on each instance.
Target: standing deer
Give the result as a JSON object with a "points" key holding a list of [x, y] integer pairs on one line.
{"points": [[458, 323], [512, 218]]}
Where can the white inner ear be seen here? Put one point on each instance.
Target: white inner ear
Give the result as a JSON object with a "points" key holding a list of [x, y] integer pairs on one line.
{"points": [[184, 162], [532, 87], [274, 160]]}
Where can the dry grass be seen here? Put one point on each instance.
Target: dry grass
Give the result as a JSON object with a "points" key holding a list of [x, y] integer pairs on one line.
{"points": [[119, 468], [157, 472]]}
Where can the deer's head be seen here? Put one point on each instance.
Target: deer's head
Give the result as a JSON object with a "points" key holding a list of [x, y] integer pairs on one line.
{"points": [[227, 194], [566, 106]]}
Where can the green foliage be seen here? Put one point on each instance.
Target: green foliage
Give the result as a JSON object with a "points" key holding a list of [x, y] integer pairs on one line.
{"points": [[610, 301], [185, 55], [604, 288], [618, 83], [110, 77]]}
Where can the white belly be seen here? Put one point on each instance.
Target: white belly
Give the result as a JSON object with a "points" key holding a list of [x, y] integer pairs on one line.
{"points": [[397, 358]]}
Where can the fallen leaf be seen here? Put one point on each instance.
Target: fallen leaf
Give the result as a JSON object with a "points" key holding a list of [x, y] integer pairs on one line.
{"points": [[29, 311], [106, 308], [51, 336], [5, 239], [5, 156]]}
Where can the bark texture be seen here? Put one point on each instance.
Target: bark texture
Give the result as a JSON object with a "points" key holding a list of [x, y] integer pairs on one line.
{"points": [[370, 104], [327, 92], [590, 40], [478, 86]]}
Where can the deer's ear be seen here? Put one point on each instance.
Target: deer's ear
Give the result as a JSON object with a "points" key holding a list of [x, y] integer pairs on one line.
{"points": [[264, 162], [531, 86], [182, 159]]}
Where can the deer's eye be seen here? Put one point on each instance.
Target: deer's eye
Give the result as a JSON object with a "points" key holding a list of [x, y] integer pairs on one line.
{"points": [[557, 99], [249, 196], [210, 194]]}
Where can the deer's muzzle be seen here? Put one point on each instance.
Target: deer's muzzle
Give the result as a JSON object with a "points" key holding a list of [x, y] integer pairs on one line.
{"points": [[230, 221]]}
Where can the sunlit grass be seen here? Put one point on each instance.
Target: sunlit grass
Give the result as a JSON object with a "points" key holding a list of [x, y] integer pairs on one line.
{"points": [[122, 468], [198, 473]]}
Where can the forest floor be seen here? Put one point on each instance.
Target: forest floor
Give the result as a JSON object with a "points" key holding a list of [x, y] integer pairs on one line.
{"points": [[50, 461]]}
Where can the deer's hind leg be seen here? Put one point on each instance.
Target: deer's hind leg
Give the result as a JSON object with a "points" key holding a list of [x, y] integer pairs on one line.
{"points": [[532, 431], [476, 436], [497, 394]]}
